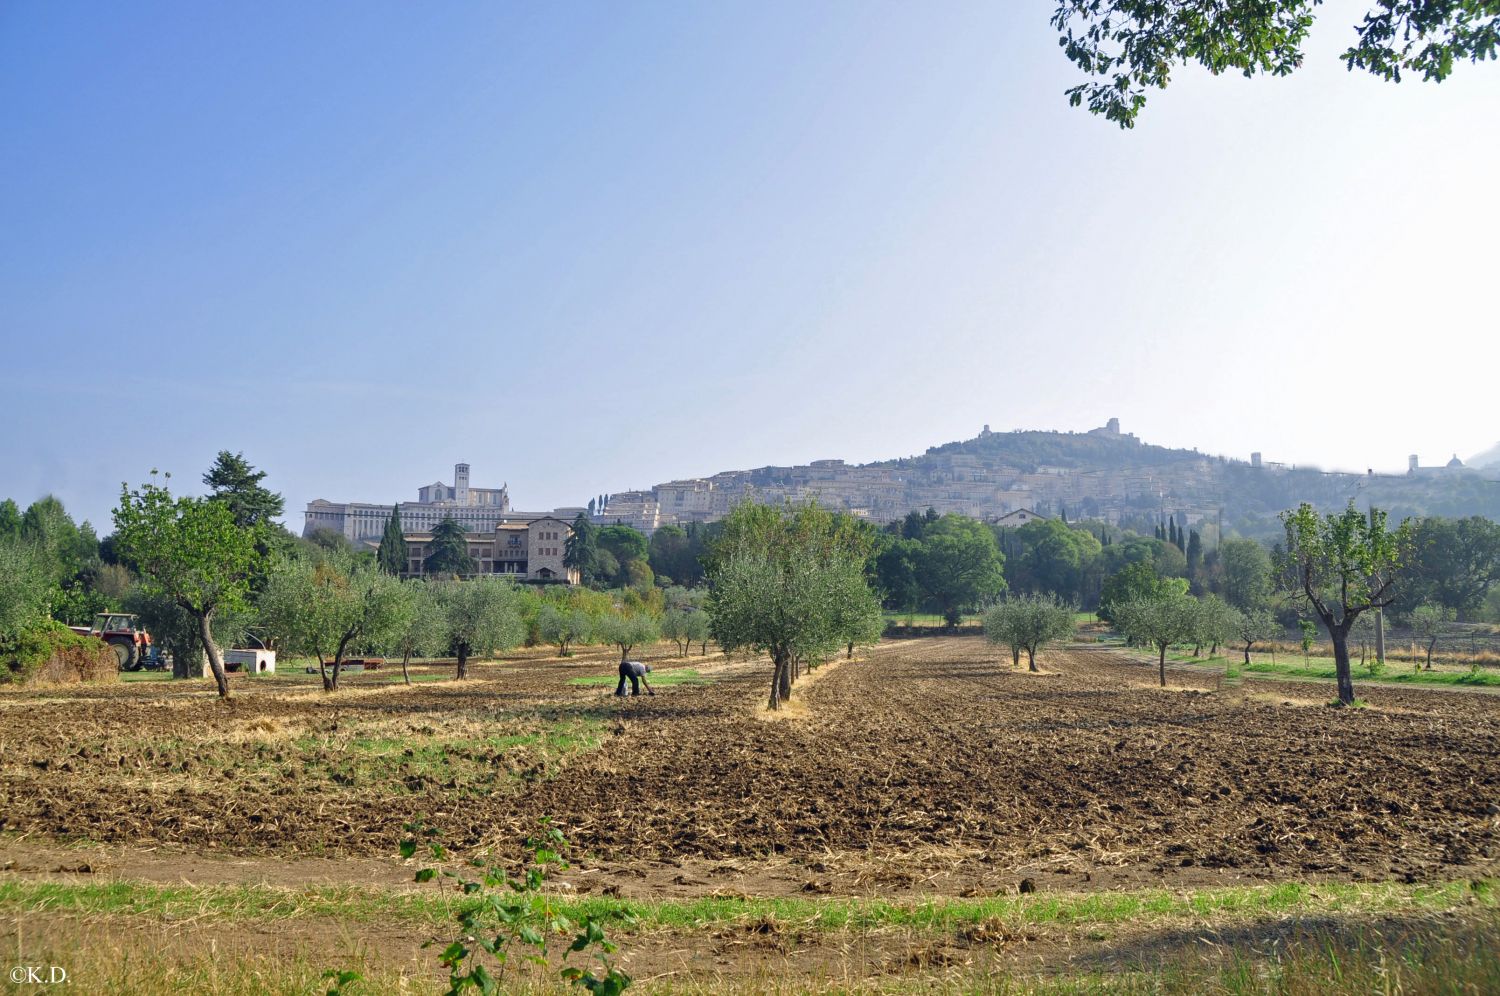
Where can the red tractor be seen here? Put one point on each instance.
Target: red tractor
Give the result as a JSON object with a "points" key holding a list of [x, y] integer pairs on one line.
{"points": [[123, 633]]}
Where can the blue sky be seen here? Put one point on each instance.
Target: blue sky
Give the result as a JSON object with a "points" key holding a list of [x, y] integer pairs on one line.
{"points": [[590, 247]]}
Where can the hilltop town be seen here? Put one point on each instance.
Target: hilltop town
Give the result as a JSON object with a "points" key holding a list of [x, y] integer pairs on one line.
{"points": [[1103, 474]]}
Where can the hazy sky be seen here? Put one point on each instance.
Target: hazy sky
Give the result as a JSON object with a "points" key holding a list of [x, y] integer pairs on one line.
{"points": [[591, 247]]}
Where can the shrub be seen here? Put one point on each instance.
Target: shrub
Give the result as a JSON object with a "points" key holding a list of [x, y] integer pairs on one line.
{"points": [[52, 653]]}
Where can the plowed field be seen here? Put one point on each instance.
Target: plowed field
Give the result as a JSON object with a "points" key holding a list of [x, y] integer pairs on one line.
{"points": [[929, 767]]}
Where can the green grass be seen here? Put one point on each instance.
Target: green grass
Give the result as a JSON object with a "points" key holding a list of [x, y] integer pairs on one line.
{"points": [[1322, 668], [469, 765], [424, 908], [925, 619], [1443, 941], [664, 679]]}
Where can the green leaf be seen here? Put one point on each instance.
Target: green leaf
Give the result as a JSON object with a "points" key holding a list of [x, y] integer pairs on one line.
{"points": [[426, 874], [483, 979]]}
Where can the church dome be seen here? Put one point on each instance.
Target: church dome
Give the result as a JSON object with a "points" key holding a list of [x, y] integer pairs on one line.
{"points": [[1455, 463]]}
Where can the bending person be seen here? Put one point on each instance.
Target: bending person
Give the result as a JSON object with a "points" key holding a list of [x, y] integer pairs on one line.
{"points": [[636, 672]]}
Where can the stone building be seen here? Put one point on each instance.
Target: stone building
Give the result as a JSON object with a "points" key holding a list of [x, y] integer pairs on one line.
{"points": [[1019, 517], [524, 551], [478, 510]]}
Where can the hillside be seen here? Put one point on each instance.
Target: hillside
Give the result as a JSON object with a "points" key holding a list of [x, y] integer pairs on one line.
{"points": [[1488, 460], [1102, 474]]}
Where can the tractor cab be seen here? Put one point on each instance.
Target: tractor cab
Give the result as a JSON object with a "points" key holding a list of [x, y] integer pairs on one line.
{"points": [[123, 633], [112, 622]]}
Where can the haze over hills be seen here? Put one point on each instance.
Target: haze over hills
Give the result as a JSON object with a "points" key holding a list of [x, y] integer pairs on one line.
{"points": [[1103, 474], [1488, 460]]}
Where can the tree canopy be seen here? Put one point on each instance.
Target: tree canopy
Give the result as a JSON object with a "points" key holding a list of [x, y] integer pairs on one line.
{"points": [[1028, 623], [961, 566], [1454, 564], [482, 616], [1341, 565], [191, 550], [448, 553], [1125, 47], [233, 481]]}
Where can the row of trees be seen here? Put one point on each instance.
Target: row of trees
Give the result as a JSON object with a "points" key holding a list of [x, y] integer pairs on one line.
{"points": [[212, 570], [953, 565]]}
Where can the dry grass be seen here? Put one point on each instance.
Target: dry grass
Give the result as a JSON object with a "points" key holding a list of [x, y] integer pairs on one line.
{"points": [[796, 708]]}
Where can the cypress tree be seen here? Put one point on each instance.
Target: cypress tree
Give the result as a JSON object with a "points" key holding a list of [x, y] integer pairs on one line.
{"points": [[391, 556], [581, 550]]}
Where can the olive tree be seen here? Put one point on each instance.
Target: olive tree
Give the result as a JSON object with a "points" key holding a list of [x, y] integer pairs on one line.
{"points": [[329, 606], [1255, 626], [788, 581], [674, 627], [418, 626], [1430, 621], [858, 618], [628, 631], [699, 629], [564, 626], [1158, 623], [192, 551], [1002, 627], [1029, 623], [1215, 624], [482, 616], [1341, 565]]}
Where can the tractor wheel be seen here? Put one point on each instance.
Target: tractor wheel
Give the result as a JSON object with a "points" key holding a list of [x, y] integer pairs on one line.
{"points": [[125, 653]]}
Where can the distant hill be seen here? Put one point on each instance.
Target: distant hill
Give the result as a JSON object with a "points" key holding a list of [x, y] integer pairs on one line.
{"points": [[1488, 460], [1100, 475]]}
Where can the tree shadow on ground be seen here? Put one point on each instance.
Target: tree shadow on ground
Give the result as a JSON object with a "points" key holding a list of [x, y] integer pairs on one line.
{"points": [[1404, 937]]}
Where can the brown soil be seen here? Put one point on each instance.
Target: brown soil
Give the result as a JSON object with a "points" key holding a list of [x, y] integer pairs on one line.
{"points": [[929, 768]]}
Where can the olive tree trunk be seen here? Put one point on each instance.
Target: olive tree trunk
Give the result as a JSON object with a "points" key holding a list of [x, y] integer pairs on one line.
{"points": [[777, 677], [215, 659]]}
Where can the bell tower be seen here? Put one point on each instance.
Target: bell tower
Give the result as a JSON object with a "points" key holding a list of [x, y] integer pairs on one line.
{"points": [[461, 484]]}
